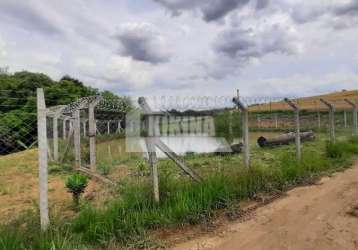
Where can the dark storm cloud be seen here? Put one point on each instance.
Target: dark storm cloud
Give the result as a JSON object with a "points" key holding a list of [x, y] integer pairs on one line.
{"points": [[262, 4], [349, 9], [216, 9], [343, 12], [211, 9], [142, 42], [27, 16], [244, 45]]}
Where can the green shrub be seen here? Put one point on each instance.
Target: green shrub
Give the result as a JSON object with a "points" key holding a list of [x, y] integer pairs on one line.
{"points": [[76, 184], [334, 150]]}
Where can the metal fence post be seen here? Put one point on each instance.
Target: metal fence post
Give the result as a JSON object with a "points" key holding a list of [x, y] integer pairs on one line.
{"points": [[297, 126], [42, 157], [331, 120], [245, 130]]}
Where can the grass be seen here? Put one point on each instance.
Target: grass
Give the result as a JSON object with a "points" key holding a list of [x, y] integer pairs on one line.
{"points": [[131, 217]]}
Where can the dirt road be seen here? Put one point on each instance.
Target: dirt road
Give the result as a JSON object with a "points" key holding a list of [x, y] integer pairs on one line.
{"points": [[323, 216]]}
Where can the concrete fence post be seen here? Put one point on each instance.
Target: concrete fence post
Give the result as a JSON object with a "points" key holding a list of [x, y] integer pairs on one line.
{"points": [[331, 120], [42, 158], [297, 126], [345, 118], [150, 143], [77, 137], [55, 137], [84, 125], [119, 127], [92, 134], [319, 119], [245, 129], [355, 116], [64, 123]]}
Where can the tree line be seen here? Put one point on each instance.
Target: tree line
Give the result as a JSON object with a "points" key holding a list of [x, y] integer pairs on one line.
{"points": [[18, 129]]}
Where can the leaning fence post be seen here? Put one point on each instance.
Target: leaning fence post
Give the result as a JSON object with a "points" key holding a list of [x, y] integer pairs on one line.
{"points": [[42, 155], [245, 129], [77, 137], [149, 140], [355, 116], [331, 120], [297, 125]]}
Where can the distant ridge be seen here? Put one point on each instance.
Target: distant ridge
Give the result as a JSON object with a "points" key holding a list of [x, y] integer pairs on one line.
{"points": [[312, 102]]}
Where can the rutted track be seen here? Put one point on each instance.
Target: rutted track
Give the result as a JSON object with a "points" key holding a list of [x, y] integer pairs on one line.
{"points": [[322, 216]]}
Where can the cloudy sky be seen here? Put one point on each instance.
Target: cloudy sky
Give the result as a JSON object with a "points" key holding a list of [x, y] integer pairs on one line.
{"points": [[186, 47]]}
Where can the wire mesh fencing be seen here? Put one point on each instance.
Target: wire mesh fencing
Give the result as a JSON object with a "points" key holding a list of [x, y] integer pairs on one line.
{"points": [[96, 138], [17, 121]]}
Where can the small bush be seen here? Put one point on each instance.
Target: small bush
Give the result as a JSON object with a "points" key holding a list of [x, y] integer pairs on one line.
{"points": [[76, 184]]}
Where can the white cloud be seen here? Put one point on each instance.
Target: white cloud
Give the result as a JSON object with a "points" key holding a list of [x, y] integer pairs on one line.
{"points": [[117, 73]]}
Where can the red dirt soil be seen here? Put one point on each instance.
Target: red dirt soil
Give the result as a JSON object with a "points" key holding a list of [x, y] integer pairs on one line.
{"points": [[322, 216]]}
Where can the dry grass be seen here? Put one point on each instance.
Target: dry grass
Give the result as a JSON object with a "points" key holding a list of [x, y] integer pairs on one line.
{"points": [[312, 102], [19, 187]]}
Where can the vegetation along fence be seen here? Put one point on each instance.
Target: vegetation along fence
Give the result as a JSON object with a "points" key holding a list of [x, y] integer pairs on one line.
{"points": [[115, 139]]}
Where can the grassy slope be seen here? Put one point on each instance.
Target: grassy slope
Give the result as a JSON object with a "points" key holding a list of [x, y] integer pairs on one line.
{"points": [[311, 103]]}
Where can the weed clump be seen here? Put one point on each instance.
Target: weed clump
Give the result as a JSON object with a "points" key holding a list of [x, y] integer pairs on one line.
{"points": [[76, 184]]}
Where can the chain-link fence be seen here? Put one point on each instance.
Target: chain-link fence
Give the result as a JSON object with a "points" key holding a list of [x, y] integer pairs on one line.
{"points": [[17, 121]]}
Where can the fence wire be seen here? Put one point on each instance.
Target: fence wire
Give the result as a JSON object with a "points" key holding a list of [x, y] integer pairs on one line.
{"points": [[18, 125]]}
